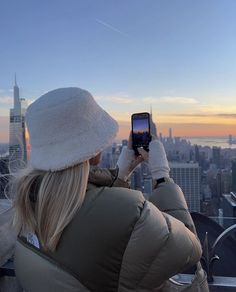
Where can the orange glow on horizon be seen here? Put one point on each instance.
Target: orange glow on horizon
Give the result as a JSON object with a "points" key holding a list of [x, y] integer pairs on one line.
{"points": [[209, 122], [182, 126], [184, 129]]}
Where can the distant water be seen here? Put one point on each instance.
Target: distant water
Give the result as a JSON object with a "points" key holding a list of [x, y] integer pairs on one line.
{"points": [[211, 141]]}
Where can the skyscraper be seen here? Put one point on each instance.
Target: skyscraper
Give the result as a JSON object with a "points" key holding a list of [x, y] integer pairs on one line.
{"points": [[187, 176], [196, 153], [136, 179], [233, 168], [216, 156], [17, 138], [170, 133], [147, 186]]}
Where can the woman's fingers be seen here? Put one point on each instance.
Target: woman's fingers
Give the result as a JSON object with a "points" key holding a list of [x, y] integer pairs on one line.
{"points": [[143, 153], [136, 162], [130, 141]]}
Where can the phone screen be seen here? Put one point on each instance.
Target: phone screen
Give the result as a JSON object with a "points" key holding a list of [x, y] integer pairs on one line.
{"points": [[140, 130]]}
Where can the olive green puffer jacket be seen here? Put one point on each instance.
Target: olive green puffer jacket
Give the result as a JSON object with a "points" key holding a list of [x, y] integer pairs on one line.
{"points": [[117, 241]]}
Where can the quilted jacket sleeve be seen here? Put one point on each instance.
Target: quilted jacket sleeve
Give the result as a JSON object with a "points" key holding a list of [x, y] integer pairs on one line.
{"points": [[160, 247], [169, 198]]}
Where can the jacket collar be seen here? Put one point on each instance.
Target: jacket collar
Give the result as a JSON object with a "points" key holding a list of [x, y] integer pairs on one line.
{"points": [[101, 177]]}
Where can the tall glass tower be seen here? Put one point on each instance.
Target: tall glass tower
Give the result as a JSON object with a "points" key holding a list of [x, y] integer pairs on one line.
{"points": [[233, 168], [17, 139], [187, 176]]}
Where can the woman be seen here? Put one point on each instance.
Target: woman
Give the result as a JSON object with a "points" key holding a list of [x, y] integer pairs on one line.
{"points": [[82, 230]]}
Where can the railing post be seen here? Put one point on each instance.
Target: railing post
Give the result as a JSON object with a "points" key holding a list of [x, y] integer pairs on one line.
{"points": [[209, 256], [208, 260]]}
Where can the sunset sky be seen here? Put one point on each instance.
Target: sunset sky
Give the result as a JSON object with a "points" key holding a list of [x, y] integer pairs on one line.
{"points": [[177, 56]]}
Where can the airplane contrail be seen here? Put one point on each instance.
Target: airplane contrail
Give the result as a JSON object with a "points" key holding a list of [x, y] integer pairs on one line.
{"points": [[111, 27]]}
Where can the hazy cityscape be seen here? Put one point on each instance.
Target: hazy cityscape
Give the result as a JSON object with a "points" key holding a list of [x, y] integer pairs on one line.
{"points": [[206, 174]]}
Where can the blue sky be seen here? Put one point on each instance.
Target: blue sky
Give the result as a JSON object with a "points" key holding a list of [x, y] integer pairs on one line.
{"points": [[177, 55]]}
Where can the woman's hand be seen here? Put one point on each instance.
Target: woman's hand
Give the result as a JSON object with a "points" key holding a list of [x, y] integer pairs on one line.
{"points": [[156, 158], [128, 161]]}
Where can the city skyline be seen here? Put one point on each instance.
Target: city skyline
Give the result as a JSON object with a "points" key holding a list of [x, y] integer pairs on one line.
{"points": [[176, 56], [125, 126]]}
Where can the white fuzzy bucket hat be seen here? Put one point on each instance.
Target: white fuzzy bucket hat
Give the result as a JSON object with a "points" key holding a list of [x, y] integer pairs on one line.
{"points": [[66, 126]]}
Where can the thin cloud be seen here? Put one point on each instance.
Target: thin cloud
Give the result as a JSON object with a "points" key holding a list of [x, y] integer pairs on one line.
{"points": [[4, 112], [7, 100], [4, 120], [221, 108], [115, 99], [110, 27], [6, 90], [227, 115], [222, 115], [187, 115], [122, 100], [123, 117], [171, 100]]}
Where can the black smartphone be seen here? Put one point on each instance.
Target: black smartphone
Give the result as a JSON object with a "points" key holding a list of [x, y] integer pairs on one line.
{"points": [[141, 135]]}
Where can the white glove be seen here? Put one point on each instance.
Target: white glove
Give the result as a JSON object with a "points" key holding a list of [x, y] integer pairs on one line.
{"points": [[157, 160], [124, 163]]}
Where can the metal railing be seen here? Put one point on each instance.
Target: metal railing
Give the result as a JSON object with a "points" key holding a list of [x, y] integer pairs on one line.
{"points": [[209, 256]]}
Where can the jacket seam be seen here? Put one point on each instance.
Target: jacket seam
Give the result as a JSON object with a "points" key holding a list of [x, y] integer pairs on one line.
{"points": [[118, 287], [115, 177], [175, 209], [151, 263], [186, 262], [137, 285]]}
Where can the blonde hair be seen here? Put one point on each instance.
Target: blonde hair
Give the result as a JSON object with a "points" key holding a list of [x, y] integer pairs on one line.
{"points": [[58, 196]]}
